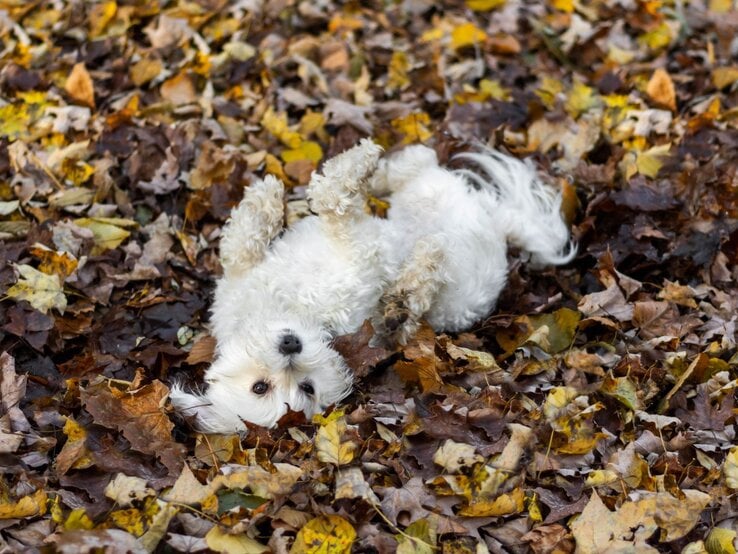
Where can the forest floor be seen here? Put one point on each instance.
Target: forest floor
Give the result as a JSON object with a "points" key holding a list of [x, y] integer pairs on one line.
{"points": [[594, 410]]}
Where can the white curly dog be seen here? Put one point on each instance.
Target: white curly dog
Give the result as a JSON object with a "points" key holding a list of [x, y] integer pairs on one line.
{"points": [[441, 253]]}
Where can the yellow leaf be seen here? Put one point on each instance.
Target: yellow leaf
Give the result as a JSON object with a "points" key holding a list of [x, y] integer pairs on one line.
{"points": [[493, 89], [432, 34], [202, 64], [324, 535], [99, 17], [466, 34], [76, 172], [720, 541], [649, 162], [720, 6], [14, 121], [581, 443], [308, 150], [342, 22], [724, 76], [557, 399], [219, 541], [276, 124], [534, 509], [563, 5], [28, 506], [484, 5], [661, 89], [42, 291], [658, 38], [397, 78], [330, 448], [548, 90], [553, 332], [581, 99], [420, 537], [62, 264], [74, 454], [107, 232], [600, 477], [130, 520], [79, 86], [273, 166], [623, 390], [616, 100], [144, 70], [414, 127], [78, 520], [730, 468], [312, 123], [505, 504]]}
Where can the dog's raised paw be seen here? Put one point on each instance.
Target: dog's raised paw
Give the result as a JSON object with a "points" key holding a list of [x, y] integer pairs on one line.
{"points": [[341, 186]]}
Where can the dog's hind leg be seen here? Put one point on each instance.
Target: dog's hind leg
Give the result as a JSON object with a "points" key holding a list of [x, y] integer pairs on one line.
{"points": [[397, 169], [253, 224], [413, 293], [338, 193]]}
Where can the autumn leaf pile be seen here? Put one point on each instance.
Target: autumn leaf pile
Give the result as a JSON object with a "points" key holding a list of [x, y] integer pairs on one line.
{"points": [[594, 411]]}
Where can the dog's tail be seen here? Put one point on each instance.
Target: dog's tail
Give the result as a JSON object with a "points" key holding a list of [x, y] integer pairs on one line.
{"points": [[527, 210]]}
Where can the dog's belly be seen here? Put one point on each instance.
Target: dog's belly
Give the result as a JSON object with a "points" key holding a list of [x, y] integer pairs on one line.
{"points": [[311, 275], [441, 205]]}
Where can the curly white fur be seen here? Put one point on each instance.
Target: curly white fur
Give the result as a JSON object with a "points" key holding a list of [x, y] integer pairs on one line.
{"points": [[442, 251]]}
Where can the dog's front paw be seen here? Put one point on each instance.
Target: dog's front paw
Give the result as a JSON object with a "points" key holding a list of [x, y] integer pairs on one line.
{"points": [[341, 187]]}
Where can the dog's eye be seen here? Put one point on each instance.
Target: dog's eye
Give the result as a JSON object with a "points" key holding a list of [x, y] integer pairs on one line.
{"points": [[260, 387], [307, 388]]}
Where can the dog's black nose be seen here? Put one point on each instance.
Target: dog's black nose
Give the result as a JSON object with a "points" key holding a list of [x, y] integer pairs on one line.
{"points": [[290, 344]]}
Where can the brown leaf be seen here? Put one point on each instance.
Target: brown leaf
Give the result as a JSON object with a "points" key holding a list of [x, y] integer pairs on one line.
{"points": [[356, 350], [79, 86], [661, 89], [203, 350], [179, 90], [139, 415]]}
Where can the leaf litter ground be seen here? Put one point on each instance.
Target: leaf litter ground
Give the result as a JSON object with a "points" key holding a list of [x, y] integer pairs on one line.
{"points": [[593, 411]]}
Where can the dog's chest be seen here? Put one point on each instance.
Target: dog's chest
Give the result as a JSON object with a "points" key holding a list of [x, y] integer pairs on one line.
{"points": [[313, 274]]}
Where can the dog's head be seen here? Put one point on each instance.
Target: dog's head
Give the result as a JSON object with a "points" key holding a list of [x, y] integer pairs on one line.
{"points": [[262, 371]]}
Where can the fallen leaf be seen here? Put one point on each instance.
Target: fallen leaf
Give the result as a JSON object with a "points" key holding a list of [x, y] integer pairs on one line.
{"points": [[31, 505], [466, 34], [39, 289], [179, 90], [80, 87], [221, 541], [661, 90], [331, 448], [724, 76], [108, 233], [324, 534]]}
